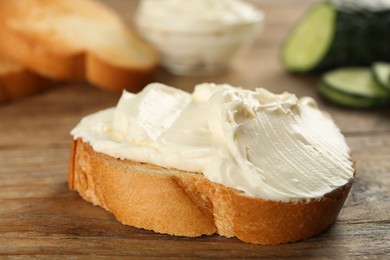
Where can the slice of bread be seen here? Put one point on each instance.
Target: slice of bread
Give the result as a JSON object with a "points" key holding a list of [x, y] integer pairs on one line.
{"points": [[73, 40], [16, 81], [187, 204]]}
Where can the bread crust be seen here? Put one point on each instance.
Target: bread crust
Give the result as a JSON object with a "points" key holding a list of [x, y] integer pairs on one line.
{"points": [[17, 82], [187, 204], [59, 61]]}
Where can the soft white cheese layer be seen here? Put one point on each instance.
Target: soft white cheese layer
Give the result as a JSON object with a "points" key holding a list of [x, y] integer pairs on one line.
{"points": [[275, 147]]}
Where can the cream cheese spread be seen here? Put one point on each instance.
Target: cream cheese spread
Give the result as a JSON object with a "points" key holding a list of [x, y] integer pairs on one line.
{"points": [[275, 147]]}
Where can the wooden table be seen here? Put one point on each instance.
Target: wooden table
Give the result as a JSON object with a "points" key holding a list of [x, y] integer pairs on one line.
{"points": [[39, 216]]}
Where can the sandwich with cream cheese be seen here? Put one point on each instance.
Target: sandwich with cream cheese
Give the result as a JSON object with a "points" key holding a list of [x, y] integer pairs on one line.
{"points": [[262, 167]]}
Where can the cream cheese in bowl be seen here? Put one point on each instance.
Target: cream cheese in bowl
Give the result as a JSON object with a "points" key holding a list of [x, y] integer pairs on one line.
{"points": [[275, 147], [198, 37]]}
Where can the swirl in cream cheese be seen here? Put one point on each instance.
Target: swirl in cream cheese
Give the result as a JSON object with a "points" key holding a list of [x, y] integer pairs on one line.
{"points": [[275, 147]]}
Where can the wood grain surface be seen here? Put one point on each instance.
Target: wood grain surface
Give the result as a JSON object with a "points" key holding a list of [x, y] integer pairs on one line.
{"points": [[39, 216]]}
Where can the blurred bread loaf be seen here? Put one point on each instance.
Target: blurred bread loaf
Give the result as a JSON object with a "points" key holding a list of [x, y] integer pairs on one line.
{"points": [[75, 40], [16, 81]]}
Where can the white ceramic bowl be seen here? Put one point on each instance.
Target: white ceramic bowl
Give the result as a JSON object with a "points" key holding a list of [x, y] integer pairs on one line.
{"points": [[198, 47]]}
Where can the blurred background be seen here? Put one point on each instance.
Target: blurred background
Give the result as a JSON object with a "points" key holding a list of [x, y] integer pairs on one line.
{"points": [[40, 216]]}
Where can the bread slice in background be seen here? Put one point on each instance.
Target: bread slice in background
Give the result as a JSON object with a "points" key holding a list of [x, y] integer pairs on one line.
{"points": [[73, 40], [16, 81], [183, 203]]}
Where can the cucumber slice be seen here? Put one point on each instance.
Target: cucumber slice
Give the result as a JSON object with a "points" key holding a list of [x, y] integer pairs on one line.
{"points": [[328, 37], [310, 40], [353, 87], [346, 100], [381, 71], [355, 81]]}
